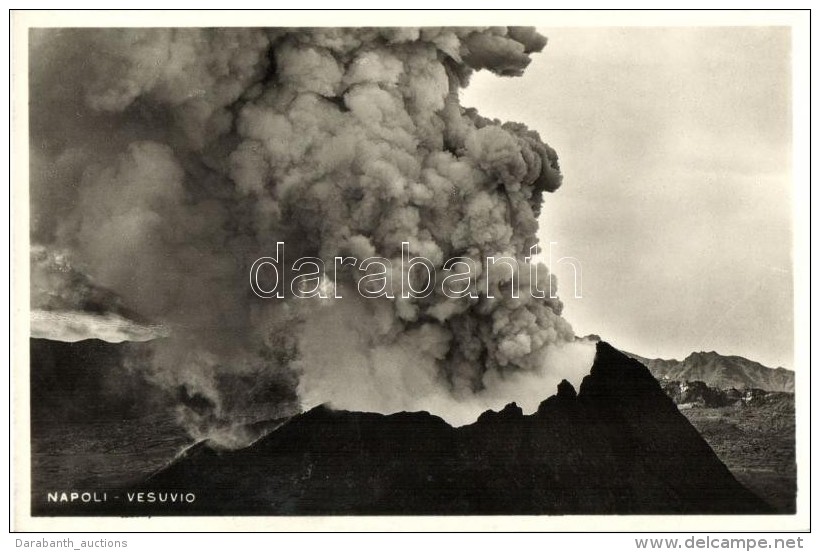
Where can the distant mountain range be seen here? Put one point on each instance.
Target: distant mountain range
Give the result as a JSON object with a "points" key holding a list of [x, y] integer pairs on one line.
{"points": [[724, 372]]}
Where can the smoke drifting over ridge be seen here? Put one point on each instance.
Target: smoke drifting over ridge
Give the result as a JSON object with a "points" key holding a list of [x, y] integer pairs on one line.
{"points": [[164, 162]]}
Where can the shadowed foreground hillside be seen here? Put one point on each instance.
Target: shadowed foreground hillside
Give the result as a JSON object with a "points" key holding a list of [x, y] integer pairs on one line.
{"points": [[755, 438], [619, 446]]}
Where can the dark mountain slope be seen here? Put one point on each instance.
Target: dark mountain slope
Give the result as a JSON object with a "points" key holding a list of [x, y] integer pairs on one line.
{"points": [[90, 380], [619, 446], [752, 432]]}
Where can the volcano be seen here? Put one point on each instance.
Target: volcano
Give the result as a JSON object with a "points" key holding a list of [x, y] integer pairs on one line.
{"points": [[618, 446]]}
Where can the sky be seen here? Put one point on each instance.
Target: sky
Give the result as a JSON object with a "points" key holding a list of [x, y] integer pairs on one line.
{"points": [[675, 144]]}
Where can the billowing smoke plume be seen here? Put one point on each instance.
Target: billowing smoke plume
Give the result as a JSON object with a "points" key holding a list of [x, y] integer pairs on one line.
{"points": [[164, 162]]}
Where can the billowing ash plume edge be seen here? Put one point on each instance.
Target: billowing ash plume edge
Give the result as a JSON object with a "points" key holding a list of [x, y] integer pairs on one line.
{"points": [[165, 161]]}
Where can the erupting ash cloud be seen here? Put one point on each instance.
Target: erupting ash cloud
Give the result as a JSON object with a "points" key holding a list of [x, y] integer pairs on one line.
{"points": [[164, 162]]}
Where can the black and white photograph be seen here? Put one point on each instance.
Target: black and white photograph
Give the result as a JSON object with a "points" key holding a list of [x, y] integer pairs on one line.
{"points": [[287, 269]]}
